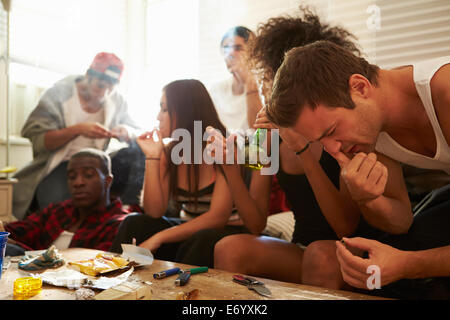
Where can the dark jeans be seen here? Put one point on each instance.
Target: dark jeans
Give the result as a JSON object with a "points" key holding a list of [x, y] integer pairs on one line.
{"points": [[430, 229], [197, 250], [128, 168], [53, 188]]}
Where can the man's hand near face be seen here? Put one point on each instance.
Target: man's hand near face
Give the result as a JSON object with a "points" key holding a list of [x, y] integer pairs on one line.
{"points": [[364, 176], [376, 185]]}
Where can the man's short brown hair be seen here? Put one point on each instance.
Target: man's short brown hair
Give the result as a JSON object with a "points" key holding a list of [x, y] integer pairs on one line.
{"points": [[313, 74]]}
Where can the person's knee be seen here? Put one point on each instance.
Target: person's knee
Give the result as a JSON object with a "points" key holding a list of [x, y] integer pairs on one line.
{"points": [[230, 254], [320, 265]]}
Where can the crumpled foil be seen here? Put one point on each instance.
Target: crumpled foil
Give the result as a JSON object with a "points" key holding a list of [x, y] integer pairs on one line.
{"points": [[51, 258]]}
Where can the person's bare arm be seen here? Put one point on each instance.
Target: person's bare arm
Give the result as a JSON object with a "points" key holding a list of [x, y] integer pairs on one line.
{"points": [[336, 205], [254, 103], [216, 217], [393, 264], [428, 263], [155, 194], [375, 182], [246, 78], [392, 212], [252, 204]]}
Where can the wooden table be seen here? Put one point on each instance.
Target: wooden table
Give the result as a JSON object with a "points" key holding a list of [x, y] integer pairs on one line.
{"points": [[212, 285]]}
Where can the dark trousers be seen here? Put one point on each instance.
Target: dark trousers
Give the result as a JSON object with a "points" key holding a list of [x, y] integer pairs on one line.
{"points": [[197, 250], [14, 250], [430, 229], [128, 169]]}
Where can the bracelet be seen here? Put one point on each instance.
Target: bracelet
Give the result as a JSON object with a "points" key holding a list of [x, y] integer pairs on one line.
{"points": [[150, 158], [251, 92], [303, 149]]}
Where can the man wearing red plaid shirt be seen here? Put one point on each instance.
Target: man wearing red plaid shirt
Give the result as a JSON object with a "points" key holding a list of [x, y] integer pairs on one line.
{"points": [[88, 220]]}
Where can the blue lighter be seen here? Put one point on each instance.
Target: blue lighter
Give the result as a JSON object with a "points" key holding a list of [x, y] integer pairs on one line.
{"points": [[183, 278], [166, 273]]}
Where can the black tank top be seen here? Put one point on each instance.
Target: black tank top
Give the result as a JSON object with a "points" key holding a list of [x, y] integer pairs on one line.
{"points": [[310, 224], [185, 200]]}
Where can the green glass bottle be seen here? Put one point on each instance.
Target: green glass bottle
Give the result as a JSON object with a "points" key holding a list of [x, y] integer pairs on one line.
{"points": [[255, 147]]}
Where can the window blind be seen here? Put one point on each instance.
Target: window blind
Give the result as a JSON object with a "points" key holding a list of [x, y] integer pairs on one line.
{"points": [[389, 32], [413, 31], [408, 30]]}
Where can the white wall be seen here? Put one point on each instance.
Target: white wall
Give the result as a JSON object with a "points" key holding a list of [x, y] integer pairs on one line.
{"points": [[20, 153]]}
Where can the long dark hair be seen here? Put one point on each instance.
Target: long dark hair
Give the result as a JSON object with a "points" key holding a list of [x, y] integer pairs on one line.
{"points": [[187, 101]]}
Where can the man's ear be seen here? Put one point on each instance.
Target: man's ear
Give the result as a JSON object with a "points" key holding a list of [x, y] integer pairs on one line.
{"points": [[359, 86], [108, 180]]}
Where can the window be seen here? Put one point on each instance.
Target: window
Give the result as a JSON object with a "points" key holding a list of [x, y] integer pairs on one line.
{"points": [[172, 50], [64, 35], [50, 39]]}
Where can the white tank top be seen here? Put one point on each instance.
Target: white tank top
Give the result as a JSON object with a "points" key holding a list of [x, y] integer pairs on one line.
{"points": [[80, 116], [423, 72], [232, 110]]}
